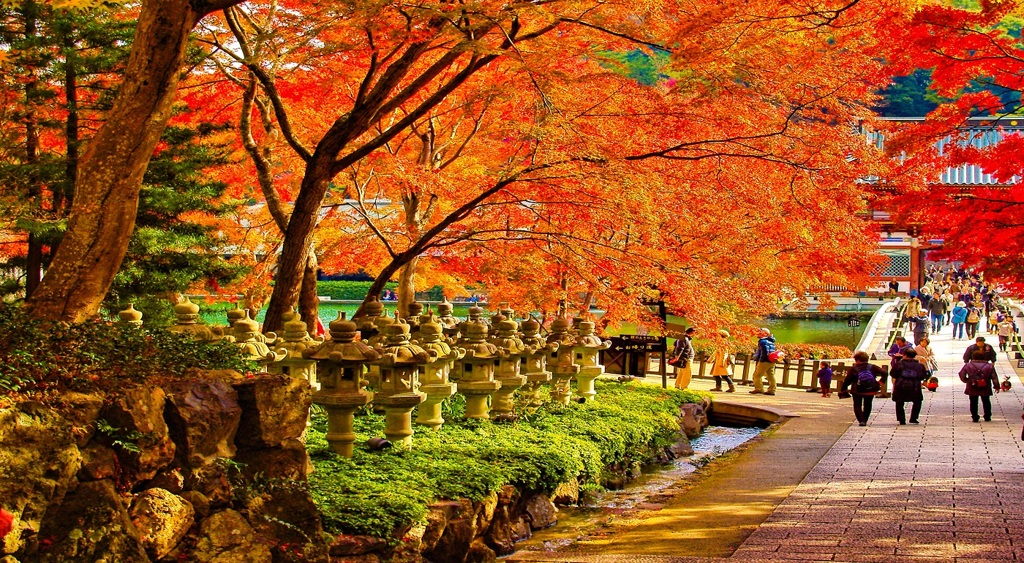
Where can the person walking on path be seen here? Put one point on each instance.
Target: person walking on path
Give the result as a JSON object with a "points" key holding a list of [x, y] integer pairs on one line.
{"points": [[899, 346], [925, 355], [765, 356], [862, 382], [722, 364], [949, 301], [921, 326], [683, 352], [982, 382], [913, 307], [973, 320], [993, 320], [825, 379], [907, 377], [989, 354], [937, 311], [958, 320], [1005, 330]]}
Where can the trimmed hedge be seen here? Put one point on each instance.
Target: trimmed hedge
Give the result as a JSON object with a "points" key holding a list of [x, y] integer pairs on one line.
{"points": [[376, 492], [356, 290]]}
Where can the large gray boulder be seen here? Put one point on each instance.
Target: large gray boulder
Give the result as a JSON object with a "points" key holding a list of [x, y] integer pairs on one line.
{"points": [[138, 432], [225, 537], [203, 417], [274, 409]]}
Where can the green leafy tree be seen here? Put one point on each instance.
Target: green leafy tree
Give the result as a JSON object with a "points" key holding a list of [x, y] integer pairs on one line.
{"points": [[170, 250]]}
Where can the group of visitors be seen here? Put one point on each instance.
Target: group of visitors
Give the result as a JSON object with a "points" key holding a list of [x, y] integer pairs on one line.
{"points": [[954, 297], [960, 298], [910, 367], [723, 360]]}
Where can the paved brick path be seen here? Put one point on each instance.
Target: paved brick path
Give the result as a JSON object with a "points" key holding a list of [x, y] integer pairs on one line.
{"points": [[945, 490]]}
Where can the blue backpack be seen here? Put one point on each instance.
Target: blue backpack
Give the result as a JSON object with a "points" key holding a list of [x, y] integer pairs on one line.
{"points": [[866, 382]]}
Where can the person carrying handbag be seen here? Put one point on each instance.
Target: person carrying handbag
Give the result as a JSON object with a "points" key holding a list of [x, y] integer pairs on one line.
{"points": [[682, 358]]}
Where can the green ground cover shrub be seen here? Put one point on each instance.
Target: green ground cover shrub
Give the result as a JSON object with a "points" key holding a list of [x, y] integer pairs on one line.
{"points": [[40, 357], [375, 492]]}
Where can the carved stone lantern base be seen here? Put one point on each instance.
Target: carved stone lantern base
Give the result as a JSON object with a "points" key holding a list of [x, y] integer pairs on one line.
{"points": [[476, 393], [340, 414], [534, 381], [429, 412], [585, 381], [398, 416], [502, 405]]}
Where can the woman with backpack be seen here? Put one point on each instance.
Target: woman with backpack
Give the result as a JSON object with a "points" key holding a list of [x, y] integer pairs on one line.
{"points": [[907, 377], [958, 320], [982, 381], [862, 380], [974, 315]]}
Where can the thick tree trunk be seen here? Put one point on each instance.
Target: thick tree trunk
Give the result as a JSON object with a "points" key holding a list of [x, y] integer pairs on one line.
{"points": [[407, 287], [298, 239], [110, 172], [309, 302]]}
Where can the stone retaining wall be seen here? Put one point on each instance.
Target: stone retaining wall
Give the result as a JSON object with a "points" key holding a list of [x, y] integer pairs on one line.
{"points": [[208, 468], [212, 468]]}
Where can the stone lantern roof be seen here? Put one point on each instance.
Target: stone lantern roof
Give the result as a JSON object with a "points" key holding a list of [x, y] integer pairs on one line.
{"points": [[186, 312], [401, 349], [343, 346]]}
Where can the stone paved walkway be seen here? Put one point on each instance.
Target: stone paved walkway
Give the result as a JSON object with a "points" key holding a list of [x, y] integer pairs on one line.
{"points": [[945, 490]]}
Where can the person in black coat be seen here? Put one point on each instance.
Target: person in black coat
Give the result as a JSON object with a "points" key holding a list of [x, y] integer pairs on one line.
{"points": [[979, 345], [982, 382], [863, 396], [907, 377]]}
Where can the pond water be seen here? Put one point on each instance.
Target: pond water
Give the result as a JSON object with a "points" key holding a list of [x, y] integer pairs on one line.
{"points": [[575, 522], [815, 331]]}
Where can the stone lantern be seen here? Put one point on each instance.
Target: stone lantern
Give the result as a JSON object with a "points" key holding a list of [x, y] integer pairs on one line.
{"points": [[186, 316], [235, 315], [399, 393], [507, 367], [412, 318], [474, 314], [247, 333], [294, 343], [130, 316], [535, 359], [587, 355], [563, 369], [367, 323], [434, 377], [341, 362], [475, 371], [449, 322]]}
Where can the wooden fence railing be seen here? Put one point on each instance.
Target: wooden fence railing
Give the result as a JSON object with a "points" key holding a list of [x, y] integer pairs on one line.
{"points": [[798, 374]]}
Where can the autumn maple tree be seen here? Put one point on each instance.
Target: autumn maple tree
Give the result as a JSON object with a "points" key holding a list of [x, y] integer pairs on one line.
{"points": [[977, 61], [517, 147], [575, 138]]}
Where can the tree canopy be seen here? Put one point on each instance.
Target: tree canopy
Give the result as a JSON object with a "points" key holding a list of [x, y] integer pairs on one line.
{"points": [[710, 154]]}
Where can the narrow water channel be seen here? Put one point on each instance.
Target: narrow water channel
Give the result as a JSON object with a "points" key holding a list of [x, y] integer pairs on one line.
{"points": [[575, 522]]}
